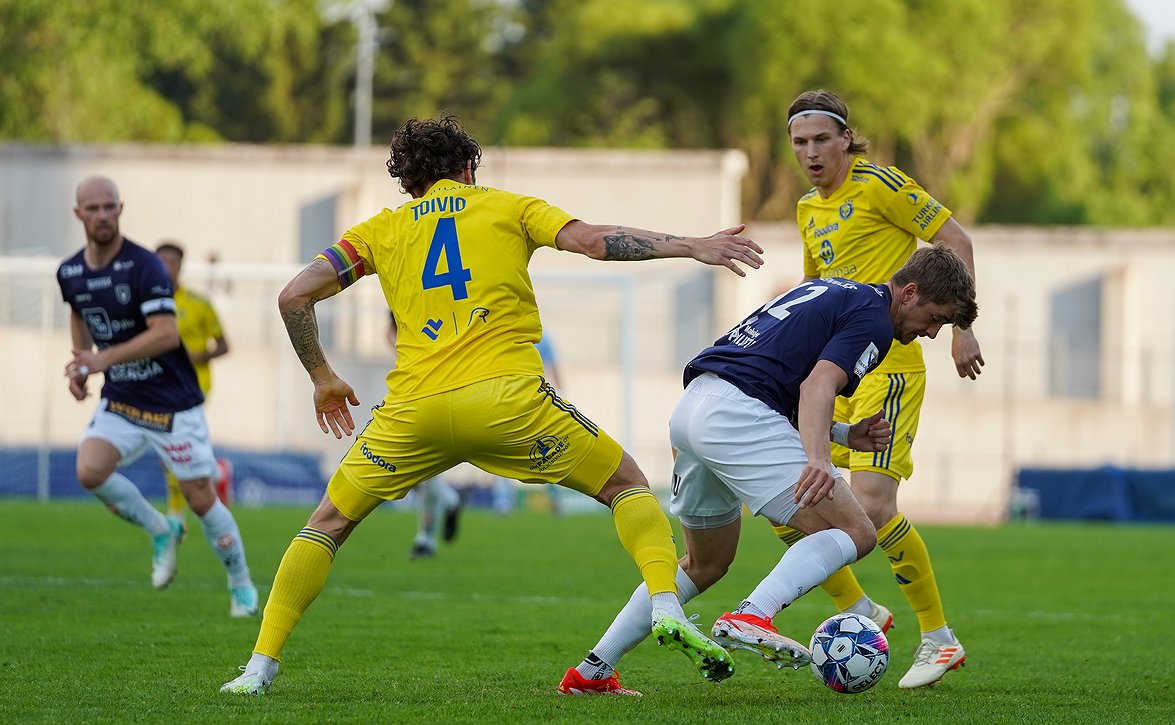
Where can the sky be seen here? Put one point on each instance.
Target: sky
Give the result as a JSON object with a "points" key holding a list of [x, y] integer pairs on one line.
{"points": [[1158, 17]]}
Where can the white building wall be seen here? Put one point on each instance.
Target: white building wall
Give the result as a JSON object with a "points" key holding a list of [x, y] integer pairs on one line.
{"points": [[243, 204]]}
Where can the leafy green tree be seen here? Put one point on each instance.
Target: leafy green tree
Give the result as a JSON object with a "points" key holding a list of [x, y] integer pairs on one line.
{"points": [[175, 70]]}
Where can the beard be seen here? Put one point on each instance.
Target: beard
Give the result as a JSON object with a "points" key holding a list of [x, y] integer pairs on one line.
{"points": [[105, 234]]}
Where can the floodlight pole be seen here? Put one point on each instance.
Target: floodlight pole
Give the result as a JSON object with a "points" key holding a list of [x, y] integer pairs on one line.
{"points": [[364, 19]]}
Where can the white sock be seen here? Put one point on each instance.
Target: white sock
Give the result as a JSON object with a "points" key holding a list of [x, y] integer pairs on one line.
{"points": [[863, 606], [263, 664], [942, 635], [126, 500], [805, 565], [220, 528], [631, 626]]}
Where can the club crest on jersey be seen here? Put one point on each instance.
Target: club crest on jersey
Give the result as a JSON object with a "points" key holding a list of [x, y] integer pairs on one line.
{"points": [[846, 209], [122, 293]]}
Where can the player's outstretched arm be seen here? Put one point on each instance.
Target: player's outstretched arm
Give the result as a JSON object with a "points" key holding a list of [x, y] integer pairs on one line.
{"points": [[725, 248], [296, 301]]}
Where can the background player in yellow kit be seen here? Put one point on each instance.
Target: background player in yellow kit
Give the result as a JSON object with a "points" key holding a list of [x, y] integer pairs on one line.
{"points": [[863, 221], [202, 335], [468, 383]]}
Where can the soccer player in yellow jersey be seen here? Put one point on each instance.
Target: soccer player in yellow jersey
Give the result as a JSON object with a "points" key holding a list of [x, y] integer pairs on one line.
{"points": [[468, 385], [204, 339], [862, 221]]}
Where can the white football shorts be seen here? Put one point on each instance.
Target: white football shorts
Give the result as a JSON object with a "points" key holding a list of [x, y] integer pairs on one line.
{"points": [[181, 440], [731, 449]]}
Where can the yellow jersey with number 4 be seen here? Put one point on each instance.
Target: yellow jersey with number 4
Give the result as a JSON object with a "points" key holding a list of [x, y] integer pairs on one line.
{"points": [[865, 231], [453, 266]]}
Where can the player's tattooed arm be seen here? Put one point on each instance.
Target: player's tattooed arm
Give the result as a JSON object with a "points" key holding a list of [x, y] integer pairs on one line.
{"points": [[296, 303], [302, 327], [630, 244], [725, 248]]}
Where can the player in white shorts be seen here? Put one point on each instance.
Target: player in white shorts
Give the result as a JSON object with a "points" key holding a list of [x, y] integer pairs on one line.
{"points": [[753, 427], [185, 450], [123, 324]]}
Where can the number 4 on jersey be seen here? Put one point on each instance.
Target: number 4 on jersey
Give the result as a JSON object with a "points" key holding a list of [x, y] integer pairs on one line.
{"points": [[444, 242]]}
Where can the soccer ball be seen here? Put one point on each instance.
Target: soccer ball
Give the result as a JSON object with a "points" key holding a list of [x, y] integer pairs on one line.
{"points": [[849, 653]]}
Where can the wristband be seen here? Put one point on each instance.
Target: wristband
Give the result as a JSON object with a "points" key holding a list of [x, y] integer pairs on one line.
{"points": [[840, 434]]}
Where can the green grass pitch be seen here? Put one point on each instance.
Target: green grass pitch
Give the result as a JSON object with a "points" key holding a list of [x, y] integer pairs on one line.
{"points": [[1062, 623]]}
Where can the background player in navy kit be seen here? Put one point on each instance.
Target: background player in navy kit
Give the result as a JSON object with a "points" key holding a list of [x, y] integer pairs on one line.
{"points": [[122, 303], [753, 427]]}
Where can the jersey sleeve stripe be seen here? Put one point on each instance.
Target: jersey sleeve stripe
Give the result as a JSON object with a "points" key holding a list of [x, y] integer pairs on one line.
{"points": [[346, 261], [875, 172], [159, 304], [892, 174]]}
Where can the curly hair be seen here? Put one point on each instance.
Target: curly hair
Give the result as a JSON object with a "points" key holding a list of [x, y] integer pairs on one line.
{"points": [[424, 152]]}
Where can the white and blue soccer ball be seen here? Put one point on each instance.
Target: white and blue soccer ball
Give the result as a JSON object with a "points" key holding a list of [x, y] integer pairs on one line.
{"points": [[849, 653]]}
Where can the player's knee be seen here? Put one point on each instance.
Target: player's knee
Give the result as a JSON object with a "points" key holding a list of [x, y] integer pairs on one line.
{"points": [[705, 574], [90, 476], [864, 536]]}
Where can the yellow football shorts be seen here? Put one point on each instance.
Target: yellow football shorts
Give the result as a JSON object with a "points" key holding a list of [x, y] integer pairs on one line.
{"points": [[515, 426], [900, 396]]}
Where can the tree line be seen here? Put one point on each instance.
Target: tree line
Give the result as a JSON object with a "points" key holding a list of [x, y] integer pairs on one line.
{"points": [[1009, 111]]}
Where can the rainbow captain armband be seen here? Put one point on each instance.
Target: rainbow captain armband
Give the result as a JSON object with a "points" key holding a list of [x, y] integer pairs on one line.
{"points": [[347, 263]]}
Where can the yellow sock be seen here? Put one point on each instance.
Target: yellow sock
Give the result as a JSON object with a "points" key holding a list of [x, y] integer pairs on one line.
{"points": [[842, 586], [299, 580], [910, 562], [176, 503], [647, 537]]}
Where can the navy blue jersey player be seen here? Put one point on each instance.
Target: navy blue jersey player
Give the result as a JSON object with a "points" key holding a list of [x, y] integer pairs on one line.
{"points": [[753, 428], [123, 325]]}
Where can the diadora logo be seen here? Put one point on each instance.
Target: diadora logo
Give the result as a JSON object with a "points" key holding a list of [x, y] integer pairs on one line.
{"points": [[846, 209], [71, 270], [546, 450], [377, 460], [827, 229]]}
